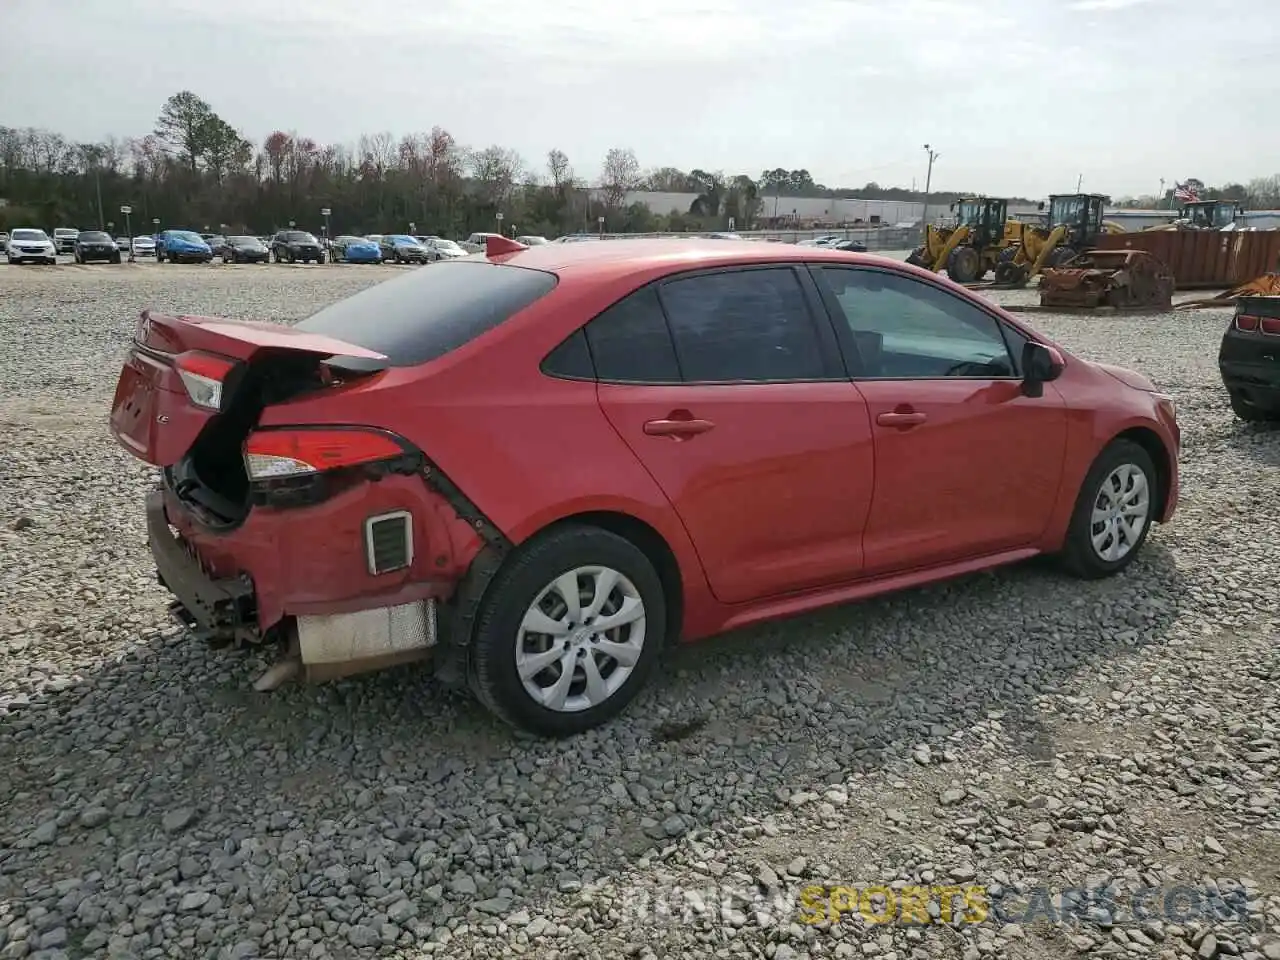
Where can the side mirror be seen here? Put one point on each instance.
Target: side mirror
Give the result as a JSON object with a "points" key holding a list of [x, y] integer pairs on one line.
{"points": [[1040, 364]]}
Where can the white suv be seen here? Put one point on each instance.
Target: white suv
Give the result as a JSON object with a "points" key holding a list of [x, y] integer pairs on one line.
{"points": [[30, 244]]}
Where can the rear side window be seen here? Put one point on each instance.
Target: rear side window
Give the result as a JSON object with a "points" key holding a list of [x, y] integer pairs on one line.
{"points": [[425, 314], [748, 325], [630, 342]]}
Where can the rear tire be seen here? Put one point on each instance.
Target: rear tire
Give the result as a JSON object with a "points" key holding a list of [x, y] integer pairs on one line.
{"points": [[964, 265], [1249, 412], [527, 589], [1119, 492]]}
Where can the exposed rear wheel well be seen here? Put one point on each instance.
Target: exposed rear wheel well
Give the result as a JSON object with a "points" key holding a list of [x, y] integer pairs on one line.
{"points": [[1150, 441], [653, 546]]}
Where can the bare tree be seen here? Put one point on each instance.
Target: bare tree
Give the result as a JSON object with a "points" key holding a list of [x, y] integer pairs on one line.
{"points": [[496, 170], [558, 167], [621, 175]]}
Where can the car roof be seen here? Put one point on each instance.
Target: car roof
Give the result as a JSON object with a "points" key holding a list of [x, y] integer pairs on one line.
{"points": [[661, 256]]}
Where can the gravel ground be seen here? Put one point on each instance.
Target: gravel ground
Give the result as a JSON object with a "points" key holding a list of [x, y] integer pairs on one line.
{"points": [[1018, 730]]}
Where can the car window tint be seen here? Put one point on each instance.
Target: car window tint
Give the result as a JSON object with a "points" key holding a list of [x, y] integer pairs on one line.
{"points": [[571, 360], [751, 325], [420, 316], [630, 342], [905, 328]]}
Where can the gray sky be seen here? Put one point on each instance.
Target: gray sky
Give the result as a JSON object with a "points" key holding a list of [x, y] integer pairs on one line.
{"points": [[1019, 96]]}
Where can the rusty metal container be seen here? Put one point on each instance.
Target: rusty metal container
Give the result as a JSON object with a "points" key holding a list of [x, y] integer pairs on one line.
{"points": [[1205, 259]]}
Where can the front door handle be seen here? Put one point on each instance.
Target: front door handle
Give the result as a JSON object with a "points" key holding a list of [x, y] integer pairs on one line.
{"points": [[677, 429], [901, 419]]}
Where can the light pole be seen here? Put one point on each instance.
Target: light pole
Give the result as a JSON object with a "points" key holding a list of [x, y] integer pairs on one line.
{"points": [[928, 181], [128, 228], [1079, 182], [328, 236], [600, 224]]}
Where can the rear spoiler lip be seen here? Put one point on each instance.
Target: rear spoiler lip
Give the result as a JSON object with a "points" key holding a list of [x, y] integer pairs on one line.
{"points": [[263, 336]]}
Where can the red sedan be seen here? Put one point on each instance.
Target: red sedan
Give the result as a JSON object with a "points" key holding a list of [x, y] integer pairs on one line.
{"points": [[542, 465]]}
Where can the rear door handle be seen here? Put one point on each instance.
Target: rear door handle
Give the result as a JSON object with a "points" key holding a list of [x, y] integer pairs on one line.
{"points": [[901, 419], [677, 429]]}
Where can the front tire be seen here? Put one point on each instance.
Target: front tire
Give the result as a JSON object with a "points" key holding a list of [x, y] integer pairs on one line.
{"points": [[1113, 512], [568, 632], [1249, 412]]}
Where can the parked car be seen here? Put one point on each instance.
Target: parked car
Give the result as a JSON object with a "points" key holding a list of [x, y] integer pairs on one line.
{"points": [[291, 246], [182, 246], [531, 240], [144, 246], [1249, 359], [477, 241], [821, 241], [758, 431], [849, 246], [217, 243], [4, 241], [29, 245], [575, 238], [440, 249], [95, 245], [399, 248], [122, 244], [356, 250], [245, 250], [64, 239], [723, 236]]}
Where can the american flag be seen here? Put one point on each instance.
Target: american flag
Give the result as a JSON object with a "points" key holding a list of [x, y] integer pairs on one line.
{"points": [[1185, 192]]}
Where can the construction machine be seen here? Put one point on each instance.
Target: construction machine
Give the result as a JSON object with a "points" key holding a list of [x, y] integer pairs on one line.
{"points": [[1207, 215], [1072, 225], [973, 246]]}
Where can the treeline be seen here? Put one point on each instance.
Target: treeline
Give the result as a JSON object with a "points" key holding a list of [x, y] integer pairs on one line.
{"points": [[197, 170], [1260, 193]]}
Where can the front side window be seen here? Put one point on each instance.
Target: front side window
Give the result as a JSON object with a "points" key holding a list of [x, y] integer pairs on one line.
{"points": [[903, 328], [743, 326]]}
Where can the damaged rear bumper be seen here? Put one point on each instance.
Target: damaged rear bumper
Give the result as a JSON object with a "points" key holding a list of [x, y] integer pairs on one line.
{"points": [[331, 639]]}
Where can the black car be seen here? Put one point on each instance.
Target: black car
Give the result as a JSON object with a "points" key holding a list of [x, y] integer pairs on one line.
{"points": [[291, 246], [217, 243], [244, 250], [96, 245], [849, 246], [1249, 359]]}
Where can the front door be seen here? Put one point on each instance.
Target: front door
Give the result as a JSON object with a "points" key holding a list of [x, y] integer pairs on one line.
{"points": [[727, 390], [966, 464]]}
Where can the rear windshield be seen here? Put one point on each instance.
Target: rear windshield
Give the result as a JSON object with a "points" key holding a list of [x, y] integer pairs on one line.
{"points": [[423, 315], [298, 235], [187, 235], [93, 236]]}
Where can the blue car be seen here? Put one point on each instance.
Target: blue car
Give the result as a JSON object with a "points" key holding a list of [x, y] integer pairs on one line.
{"points": [[356, 250], [182, 246]]}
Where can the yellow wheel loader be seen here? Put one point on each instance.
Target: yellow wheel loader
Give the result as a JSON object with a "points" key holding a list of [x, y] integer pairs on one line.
{"points": [[1207, 215], [973, 246], [1073, 224]]}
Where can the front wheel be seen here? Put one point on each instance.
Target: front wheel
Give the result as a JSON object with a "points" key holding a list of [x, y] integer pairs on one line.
{"points": [[1113, 512], [568, 632], [1250, 412]]}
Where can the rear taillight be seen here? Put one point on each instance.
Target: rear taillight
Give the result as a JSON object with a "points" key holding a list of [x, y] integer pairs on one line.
{"points": [[1247, 323], [296, 452], [203, 375], [1269, 325]]}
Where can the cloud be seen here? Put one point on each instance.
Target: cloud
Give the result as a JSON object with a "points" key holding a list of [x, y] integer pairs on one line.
{"points": [[1106, 6]]}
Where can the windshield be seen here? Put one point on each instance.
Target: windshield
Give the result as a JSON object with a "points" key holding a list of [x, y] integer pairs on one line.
{"points": [[447, 245], [1065, 210], [29, 235], [187, 235], [970, 214], [298, 236], [1224, 215], [245, 241], [405, 240], [93, 236]]}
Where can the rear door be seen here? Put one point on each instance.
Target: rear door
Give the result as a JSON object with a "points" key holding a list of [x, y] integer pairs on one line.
{"points": [[966, 464], [728, 387]]}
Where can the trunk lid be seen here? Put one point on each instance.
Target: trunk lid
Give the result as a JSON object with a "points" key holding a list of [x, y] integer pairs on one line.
{"points": [[153, 415]]}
